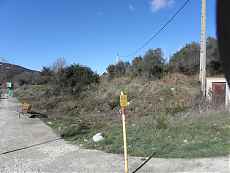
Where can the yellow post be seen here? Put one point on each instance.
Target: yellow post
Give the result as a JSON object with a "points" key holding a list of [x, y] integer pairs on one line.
{"points": [[123, 103]]}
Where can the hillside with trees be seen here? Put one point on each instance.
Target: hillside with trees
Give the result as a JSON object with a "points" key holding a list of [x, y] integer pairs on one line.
{"points": [[187, 59]]}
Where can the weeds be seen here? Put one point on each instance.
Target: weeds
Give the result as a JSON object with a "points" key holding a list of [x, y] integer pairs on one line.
{"points": [[155, 117], [171, 137]]}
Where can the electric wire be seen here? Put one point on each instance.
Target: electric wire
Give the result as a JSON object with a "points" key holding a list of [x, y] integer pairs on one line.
{"points": [[31, 146], [162, 28]]}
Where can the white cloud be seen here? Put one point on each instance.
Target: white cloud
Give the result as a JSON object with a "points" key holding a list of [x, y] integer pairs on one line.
{"points": [[157, 5], [131, 7]]}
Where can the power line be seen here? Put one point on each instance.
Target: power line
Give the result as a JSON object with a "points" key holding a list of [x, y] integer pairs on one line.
{"points": [[145, 162], [162, 28], [150, 157], [31, 146]]}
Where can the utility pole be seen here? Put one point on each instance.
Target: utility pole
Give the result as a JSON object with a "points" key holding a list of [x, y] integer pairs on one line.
{"points": [[203, 49]]}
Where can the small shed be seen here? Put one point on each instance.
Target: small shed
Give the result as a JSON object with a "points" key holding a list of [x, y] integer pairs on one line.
{"points": [[217, 90]]}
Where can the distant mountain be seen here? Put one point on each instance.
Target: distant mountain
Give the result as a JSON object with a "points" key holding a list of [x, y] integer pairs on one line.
{"points": [[9, 72]]}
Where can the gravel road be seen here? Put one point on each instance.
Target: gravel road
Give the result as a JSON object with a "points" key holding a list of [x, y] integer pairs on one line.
{"points": [[61, 157]]}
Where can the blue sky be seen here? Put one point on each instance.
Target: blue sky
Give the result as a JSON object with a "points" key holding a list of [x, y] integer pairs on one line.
{"points": [[33, 33]]}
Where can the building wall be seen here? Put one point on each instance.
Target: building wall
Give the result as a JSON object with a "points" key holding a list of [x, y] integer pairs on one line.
{"points": [[210, 81]]}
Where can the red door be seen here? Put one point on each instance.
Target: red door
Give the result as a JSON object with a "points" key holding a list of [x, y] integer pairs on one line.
{"points": [[219, 92]]}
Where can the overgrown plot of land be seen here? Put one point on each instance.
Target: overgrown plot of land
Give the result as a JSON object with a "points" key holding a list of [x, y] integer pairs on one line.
{"points": [[206, 135]]}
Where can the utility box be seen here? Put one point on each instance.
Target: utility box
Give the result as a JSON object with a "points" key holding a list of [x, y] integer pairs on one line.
{"points": [[217, 91], [9, 85]]}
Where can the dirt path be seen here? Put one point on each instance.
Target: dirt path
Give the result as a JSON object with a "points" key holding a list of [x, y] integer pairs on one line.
{"points": [[61, 157]]}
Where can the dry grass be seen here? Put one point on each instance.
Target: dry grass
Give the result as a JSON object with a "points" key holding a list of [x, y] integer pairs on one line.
{"points": [[174, 93], [158, 109]]}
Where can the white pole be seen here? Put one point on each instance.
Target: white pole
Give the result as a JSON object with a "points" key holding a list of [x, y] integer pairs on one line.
{"points": [[125, 141], [123, 104], [203, 48]]}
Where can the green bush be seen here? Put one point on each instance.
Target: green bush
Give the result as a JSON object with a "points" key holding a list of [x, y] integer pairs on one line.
{"points": [[76, 77], [153, 63], [71, 79]]}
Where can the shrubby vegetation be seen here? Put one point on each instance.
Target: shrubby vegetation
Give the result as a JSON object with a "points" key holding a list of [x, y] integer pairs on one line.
{"points": [[153, 83], [27, 78], [69, 79], [153, 65], [118, 70], [164, 104], [75, 77], [187, 59]]}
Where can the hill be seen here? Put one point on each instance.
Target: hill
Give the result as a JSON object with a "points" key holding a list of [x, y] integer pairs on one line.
{"points": [[14, 73]]}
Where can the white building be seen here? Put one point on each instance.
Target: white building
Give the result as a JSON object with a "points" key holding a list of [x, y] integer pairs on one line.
{"points": [[217, 90]]}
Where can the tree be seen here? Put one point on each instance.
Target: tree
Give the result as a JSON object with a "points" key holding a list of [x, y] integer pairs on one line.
{"points": [[118, 70], [137, 66], [46, 71], [121, 68], [214, 64], [47, 75], [59, 64], [187, 59], [76, 77], [111, 69], [153, 63]]}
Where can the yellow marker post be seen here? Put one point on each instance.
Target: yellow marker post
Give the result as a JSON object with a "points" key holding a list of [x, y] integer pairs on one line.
{"points": [[123, 104]]}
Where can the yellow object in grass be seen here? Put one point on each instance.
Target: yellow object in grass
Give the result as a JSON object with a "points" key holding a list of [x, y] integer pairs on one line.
{"points": [[26, 108], [123, 100]]}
